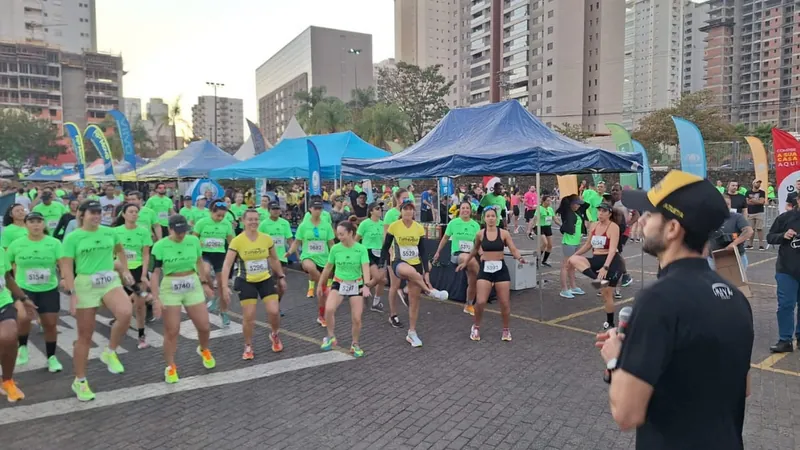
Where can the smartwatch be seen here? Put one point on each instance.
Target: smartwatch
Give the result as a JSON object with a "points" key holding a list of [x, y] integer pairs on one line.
{"points": [[612, 364], [606, 268]]}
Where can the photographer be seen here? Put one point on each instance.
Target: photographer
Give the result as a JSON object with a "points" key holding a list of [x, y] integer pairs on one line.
{"points": [[734, 232]]}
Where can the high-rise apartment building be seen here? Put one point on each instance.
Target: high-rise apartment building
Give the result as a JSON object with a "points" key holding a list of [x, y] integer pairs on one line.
{"points": [[220, 120], [695, 15], [132, 108], [753, 60], [60, 86], [338, 60], [69, 25]]}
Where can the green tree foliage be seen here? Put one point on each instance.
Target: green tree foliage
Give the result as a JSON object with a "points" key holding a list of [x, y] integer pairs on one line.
{"points": [[418, 93], [330, 116], [142, 143], [382, 123], [361, 99], [573, 131], [763, 131], [308, 101], [26, 139]]}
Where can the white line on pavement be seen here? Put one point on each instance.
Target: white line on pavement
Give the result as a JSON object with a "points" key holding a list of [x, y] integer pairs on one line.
{"points": [[41, 410]]}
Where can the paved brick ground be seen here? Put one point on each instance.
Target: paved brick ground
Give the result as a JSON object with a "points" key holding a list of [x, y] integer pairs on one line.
{"points": [[543, 390]]}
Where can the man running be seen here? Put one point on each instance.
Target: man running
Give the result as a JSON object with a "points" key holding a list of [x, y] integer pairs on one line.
{"points": [[163, 207]]}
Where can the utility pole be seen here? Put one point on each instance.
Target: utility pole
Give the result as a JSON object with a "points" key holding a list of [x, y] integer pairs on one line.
{"points": [[496, 52], [356, 52], [215, 86]]}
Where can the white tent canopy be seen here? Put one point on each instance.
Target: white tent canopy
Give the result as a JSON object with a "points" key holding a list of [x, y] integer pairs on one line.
{"points": [[248, 150]]}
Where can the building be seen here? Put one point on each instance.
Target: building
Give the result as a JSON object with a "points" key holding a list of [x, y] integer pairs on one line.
{"points": [[60, 86], [694, 45], [220, 120], [753, 60], [338, 60], [159, 127], [389, 63], [67, 25], [132, 108]]}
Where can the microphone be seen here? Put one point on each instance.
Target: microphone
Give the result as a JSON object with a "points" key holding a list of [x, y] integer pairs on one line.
{"points": [[624, 318]]}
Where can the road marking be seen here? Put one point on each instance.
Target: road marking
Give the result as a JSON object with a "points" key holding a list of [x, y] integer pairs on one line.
{"points": [[261, 324], [23, 413], [190, 332], [751, 283], [770, 361], [585, 312]]}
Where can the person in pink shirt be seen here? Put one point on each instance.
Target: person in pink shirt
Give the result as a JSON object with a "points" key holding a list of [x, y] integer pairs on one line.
{"points": [[515, 198], [531, 202]]}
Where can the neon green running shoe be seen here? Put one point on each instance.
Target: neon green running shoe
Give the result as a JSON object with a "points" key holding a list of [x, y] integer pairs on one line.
{"points": [[171, 375], [110, 358], [81, 389], [328, 343], [356, 351], [208, 361], [53, 366], [22, 355]]}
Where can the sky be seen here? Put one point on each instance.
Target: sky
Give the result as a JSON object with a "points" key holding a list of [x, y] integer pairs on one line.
{"points": [[171, 48]]}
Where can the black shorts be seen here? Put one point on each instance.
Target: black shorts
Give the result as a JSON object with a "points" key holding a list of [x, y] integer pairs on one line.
{"points": [[417, 267], [373, 260], [216, 260], [622, 241], [137, 278], [547, 230], [164, 232], [515, 210], [46, 302], [529, 213], [319, 268], [614, 270], [494, 277], [8, 312], [259, 290], [336, 285]]}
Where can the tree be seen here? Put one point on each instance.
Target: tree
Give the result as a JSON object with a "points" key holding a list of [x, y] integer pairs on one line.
{"points": [[763, 131], [382, 123], [573, 131], [330, 116], [657, 129], [361, 99], [142, 143], [25, 139], [308, 101], [418, 93]]}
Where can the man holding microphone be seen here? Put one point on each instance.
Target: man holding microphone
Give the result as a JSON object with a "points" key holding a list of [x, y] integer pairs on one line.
{"points": [[679, 369]]}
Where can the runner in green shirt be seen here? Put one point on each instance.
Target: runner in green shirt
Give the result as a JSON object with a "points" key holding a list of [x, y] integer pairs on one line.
{"points": [[461, 233], [393, 215], [215, 233], [13, 225], [496, 198], [201, 211], [36, 257], [571, 231], [263, 209], [11, 315], [89, 251], [147, 217], [51, 210], [545, 217], [162, 205], [370, 233], [349, 262], [278, 229], [238, 207], [593, 198], [188, 211]]}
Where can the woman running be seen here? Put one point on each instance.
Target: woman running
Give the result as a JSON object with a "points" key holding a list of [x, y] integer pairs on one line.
{"points": [[370, 234], [494, 272], [316, 237], [255, 253], [349, 262], [36, 257], [515, 198], [339, 211], [215, 233], [395, 291], [90, 280], [461, 233], [545, 216], [604, 266], [409, 263], [572, 211], [11, 314], [186, 283], [137, 241], [13, 225]]}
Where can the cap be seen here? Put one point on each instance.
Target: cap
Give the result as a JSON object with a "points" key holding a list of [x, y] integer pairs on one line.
{"points": [[406, 203], [316, 204], [90, 205], [604, 205], [694, 202], [274, 205], [374, 205], [576, 201], [187, 197], [362, 193], [34, 216], [178, 224]]}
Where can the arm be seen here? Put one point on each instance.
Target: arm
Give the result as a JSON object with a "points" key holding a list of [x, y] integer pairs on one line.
{"points": [[119, 250], [58, 233], [145, 262], [293, 247], [613, 237], [474, 253], [423, 257], [230, 258], [777, 232], [510, 244], [157, 231], [387, 244], [586, 245], [442, 243], [274, 263], [745, 234], [628, 399]]}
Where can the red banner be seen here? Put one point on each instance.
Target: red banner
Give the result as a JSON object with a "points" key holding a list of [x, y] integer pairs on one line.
{"points": [[787, 163]]}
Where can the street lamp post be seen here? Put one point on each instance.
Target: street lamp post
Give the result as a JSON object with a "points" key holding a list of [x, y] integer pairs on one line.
{"points": [[355, 51], [215, 86]]}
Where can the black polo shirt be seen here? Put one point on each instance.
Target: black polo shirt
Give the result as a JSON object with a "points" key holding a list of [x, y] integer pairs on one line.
{"points": [[738, 202], [690, 337]]}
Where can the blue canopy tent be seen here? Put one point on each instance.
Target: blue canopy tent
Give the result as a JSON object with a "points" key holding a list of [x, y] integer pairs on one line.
{"points": [[195, 161], [500, 139], [289, 159], [50, 173]]}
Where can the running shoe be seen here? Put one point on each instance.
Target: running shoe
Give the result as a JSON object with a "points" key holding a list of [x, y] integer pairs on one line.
{"points": [[248, 353], [282, 314], [617, 294], [142, 343], [474, 333], [277, 345], [627, 280], [171, 375], [11, 391], [321, 321], [208, 361], [213, 305], [577, 291], [439, 295], [22, 355], [149, 317], [226, 319], [395, 322], [469, 309], [413, 339], [761, 248], [110, 358], [566, 294], [546, 264], [748, 247], [53, 365], [506, 335], [310, 293], [327, 343], [356, 351], [402, 297], [376, 307], [82, 390]]}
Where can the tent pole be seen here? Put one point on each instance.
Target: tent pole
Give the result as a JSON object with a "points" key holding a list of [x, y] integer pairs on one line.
{"points": [[435, 211], [305, 193], [536, 251], [642, 250]]}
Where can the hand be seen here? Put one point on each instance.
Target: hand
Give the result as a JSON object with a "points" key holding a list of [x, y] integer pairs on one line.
{"points": [[460, 267], [319, 290], [286, 255], [436, 257], [281, 286], [127, 278], [22, 315], [73, 304], [601, 274], [30, 307], [522, 260], [610, 344], [158, 308], [365, 291], [790, 234], [145, 278], [210, 292], [730, 246]]}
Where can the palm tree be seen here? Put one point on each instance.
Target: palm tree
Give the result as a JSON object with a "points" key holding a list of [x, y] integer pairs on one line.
{"points": [[361, 99], [308, 101], [330, 116], [171, 121], [382, 123]]}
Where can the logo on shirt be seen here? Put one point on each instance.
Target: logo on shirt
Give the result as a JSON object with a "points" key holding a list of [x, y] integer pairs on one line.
{"points": [[722, 290], [795, 244]]}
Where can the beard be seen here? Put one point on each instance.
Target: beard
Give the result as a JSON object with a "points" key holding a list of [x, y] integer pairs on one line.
{"points": [[655, 245]]}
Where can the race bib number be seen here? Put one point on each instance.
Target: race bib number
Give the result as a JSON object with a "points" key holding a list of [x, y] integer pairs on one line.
{"points": [[213, 243], [256, 267], [163, 216], [106, 219], [182, 285], [279, 241], [598, 241], [376, 252], [316, 246], [130, 255], [733, 210], [548, 220], [348, 288], [492, 266], [103, 279], [52, 224], [37, 276], [465, 246], [407, 253]]}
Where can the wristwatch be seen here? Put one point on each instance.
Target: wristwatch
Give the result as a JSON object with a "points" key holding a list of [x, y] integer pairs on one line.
{"points": [[612, 364], [281, 276], [606, 268]]}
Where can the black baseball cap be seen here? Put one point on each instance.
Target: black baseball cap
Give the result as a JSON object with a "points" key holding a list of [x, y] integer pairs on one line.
{"points": [[406, 203], [315, 204], [178, 224], [34, 216], [187, 197], [694, 202], [374, 205], [606, 206], [274, 205], [90, 205]]}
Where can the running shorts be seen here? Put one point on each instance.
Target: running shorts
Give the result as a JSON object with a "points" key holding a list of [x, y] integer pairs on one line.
{"points": [[137, 278], [8, 312], [495, 274], [46, 302], [547, 230], [614, 270], [529, 213], [250, 292], [515, 210], [417, 267], [216, 260], [182, 291], [374, 260], [90, 289], [336, 286]]}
